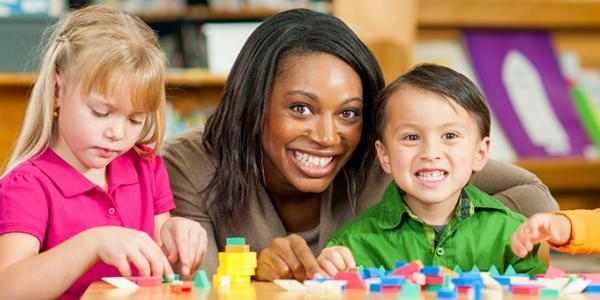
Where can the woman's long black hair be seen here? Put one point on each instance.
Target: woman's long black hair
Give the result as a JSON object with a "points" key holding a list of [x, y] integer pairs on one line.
{"points": [[233, 133]]}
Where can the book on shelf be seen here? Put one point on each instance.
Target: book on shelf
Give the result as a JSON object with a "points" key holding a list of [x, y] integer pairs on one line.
{"points": [[519, 73]]}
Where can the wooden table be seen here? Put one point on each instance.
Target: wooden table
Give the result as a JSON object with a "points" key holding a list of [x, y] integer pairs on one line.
{"points": [[262, 290]]}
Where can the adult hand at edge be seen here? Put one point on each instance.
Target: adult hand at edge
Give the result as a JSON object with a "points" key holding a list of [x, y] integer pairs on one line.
{"points": [[287, 258]]}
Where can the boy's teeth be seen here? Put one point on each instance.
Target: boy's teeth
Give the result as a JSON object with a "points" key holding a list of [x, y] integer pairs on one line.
{"points": [[431, 176], [312, 161]]}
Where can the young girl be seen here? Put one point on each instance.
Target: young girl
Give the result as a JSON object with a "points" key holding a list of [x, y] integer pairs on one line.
{"points": [[571, 231], [83, 198]]}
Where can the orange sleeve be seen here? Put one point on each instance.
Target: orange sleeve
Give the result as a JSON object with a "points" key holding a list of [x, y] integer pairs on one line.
{"points": [[585, 238]]}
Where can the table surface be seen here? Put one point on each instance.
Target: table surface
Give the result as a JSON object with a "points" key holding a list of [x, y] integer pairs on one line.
{"points": [[263, 290]]}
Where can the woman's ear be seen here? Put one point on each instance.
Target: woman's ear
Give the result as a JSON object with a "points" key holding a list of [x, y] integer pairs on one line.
{"points": [[384, 158], [482, 154]]}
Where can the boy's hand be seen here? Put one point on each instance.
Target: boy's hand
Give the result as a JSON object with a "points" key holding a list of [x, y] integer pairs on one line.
{"points": [[184, 239], [335, 259], [556, 229], [119, 246], [287, 258]]}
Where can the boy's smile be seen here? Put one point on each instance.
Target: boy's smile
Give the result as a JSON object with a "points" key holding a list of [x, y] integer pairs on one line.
{"points": [[430, 146]]}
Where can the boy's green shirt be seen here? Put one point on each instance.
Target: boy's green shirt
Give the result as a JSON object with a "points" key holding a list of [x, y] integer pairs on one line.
{"points": [[478, 234]]}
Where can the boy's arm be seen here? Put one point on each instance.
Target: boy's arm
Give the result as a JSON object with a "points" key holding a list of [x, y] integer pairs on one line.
{"points": [[583, 240], [516, 187]]}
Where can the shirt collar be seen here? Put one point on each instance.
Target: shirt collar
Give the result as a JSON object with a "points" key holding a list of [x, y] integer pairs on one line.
{"points": [[394, 208], [71, 182]]}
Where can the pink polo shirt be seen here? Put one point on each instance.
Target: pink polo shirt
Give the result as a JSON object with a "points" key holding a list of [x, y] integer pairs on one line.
{"points": [[47, 198]]}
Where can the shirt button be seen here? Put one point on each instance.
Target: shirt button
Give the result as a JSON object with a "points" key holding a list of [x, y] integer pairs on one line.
{"points": [[111, 211], [439, 251]]}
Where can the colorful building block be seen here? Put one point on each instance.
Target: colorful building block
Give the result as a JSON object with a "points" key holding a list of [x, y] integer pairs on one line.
{"points": [[146, 280], [237, 248], [353, 278], [235, 241], [431, 270], [201, 280], [553, 272], [529, 290], [545, 292], [493, 271], [410, 290], [510, 271]]}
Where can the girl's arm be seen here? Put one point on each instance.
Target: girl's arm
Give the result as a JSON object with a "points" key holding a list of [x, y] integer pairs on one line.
{"points": [[516, 187], [55, 270]]}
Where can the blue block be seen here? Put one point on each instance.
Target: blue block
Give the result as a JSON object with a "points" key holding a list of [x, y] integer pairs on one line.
{"points": [[322, 279], [478, 293], [388, 272], [400, 264], [429, 270], [502, 280], [447, 293], [372, 273], [375, 288], [470, 275], [592, 288], [467, 281], [392, 281]]}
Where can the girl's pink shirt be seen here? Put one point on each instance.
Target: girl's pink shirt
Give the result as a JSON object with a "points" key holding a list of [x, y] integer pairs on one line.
{"points": [[50, 200]]}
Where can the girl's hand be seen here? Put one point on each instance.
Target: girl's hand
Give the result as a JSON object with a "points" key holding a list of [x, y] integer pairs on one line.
{"points": [[335, 259], [119, 246], [287, 258], [184, 239], [556, 229]]}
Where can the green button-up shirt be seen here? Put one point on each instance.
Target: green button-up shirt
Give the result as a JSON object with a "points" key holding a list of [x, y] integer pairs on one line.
{"points": [[478, 234]]}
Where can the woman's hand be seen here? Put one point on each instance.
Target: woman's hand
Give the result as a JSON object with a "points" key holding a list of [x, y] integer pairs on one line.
{"points": [[556, 229], [335, 259], [287, 258], [119, 246], [184, 239]]}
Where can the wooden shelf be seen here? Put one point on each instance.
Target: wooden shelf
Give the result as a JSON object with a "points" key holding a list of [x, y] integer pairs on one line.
{"points": [[566, 175], [182, 78], [203, 13], [549, 14]]}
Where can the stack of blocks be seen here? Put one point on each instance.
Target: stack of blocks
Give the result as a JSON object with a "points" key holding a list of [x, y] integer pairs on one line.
{"points": [[236, 265]]}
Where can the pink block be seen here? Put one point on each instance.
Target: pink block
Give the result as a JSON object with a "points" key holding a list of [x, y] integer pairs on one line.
{"points": [[594, 277], [464, 289], [553, 272], [146, 280], [407, 270], [390, 289], [353, 278]]}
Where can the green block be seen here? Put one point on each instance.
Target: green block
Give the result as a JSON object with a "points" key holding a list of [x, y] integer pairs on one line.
{"points": [[432, 287], [409, 290], [447, 281], [457, 269], [494, 271], [510, 271], [382, 271], [176, 277], [235, 241], [549, 292], [166, 280], [475, 269], [201, 280]]}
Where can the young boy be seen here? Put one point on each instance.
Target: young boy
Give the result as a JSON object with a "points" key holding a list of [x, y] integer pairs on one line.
{"points": [[571, 231], [433, 128]]}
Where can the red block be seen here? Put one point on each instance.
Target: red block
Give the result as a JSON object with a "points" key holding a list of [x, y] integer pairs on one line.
{"points": [[464, 289], [407, 270], [146, 280], [186, 288], [390, 289], [432, 279], [176, 288], [353, 278], [530, 290]]}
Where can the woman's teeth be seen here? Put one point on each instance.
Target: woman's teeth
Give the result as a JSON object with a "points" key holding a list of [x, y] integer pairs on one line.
{"points": [[312, 161]]}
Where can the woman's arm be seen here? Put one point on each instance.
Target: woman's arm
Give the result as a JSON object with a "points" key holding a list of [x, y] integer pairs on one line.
{"points": [[185, 165], [516, 187]]}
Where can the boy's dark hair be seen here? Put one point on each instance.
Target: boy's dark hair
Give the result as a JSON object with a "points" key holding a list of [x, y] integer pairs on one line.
{"points": [[443, 81], [233, 132]]}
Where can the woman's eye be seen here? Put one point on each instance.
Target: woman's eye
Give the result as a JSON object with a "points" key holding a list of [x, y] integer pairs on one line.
{"points": [[302, 109], [350, 114]]}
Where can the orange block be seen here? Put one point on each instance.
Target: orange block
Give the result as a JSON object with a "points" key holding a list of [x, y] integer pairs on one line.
{"points": [[237, 248]]}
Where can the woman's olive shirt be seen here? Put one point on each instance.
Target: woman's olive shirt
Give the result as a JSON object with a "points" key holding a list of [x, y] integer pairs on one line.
{"points": [[190, 169]]}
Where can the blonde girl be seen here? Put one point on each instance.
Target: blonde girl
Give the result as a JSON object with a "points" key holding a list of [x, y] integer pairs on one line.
{"points": [[85, 195]]}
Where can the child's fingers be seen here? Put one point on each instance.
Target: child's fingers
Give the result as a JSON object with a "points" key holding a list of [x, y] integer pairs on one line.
{"points": [[140, 262], [182, 240], [308, 262], [170, 248], [122, 264], [517, 245], [327, 266], [348, 258]]}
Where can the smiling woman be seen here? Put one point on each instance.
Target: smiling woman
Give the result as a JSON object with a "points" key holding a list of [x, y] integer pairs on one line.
{"points": [[288, 156]]}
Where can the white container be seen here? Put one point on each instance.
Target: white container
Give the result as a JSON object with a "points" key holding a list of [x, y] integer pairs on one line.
{"points": [[224, 42]]}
